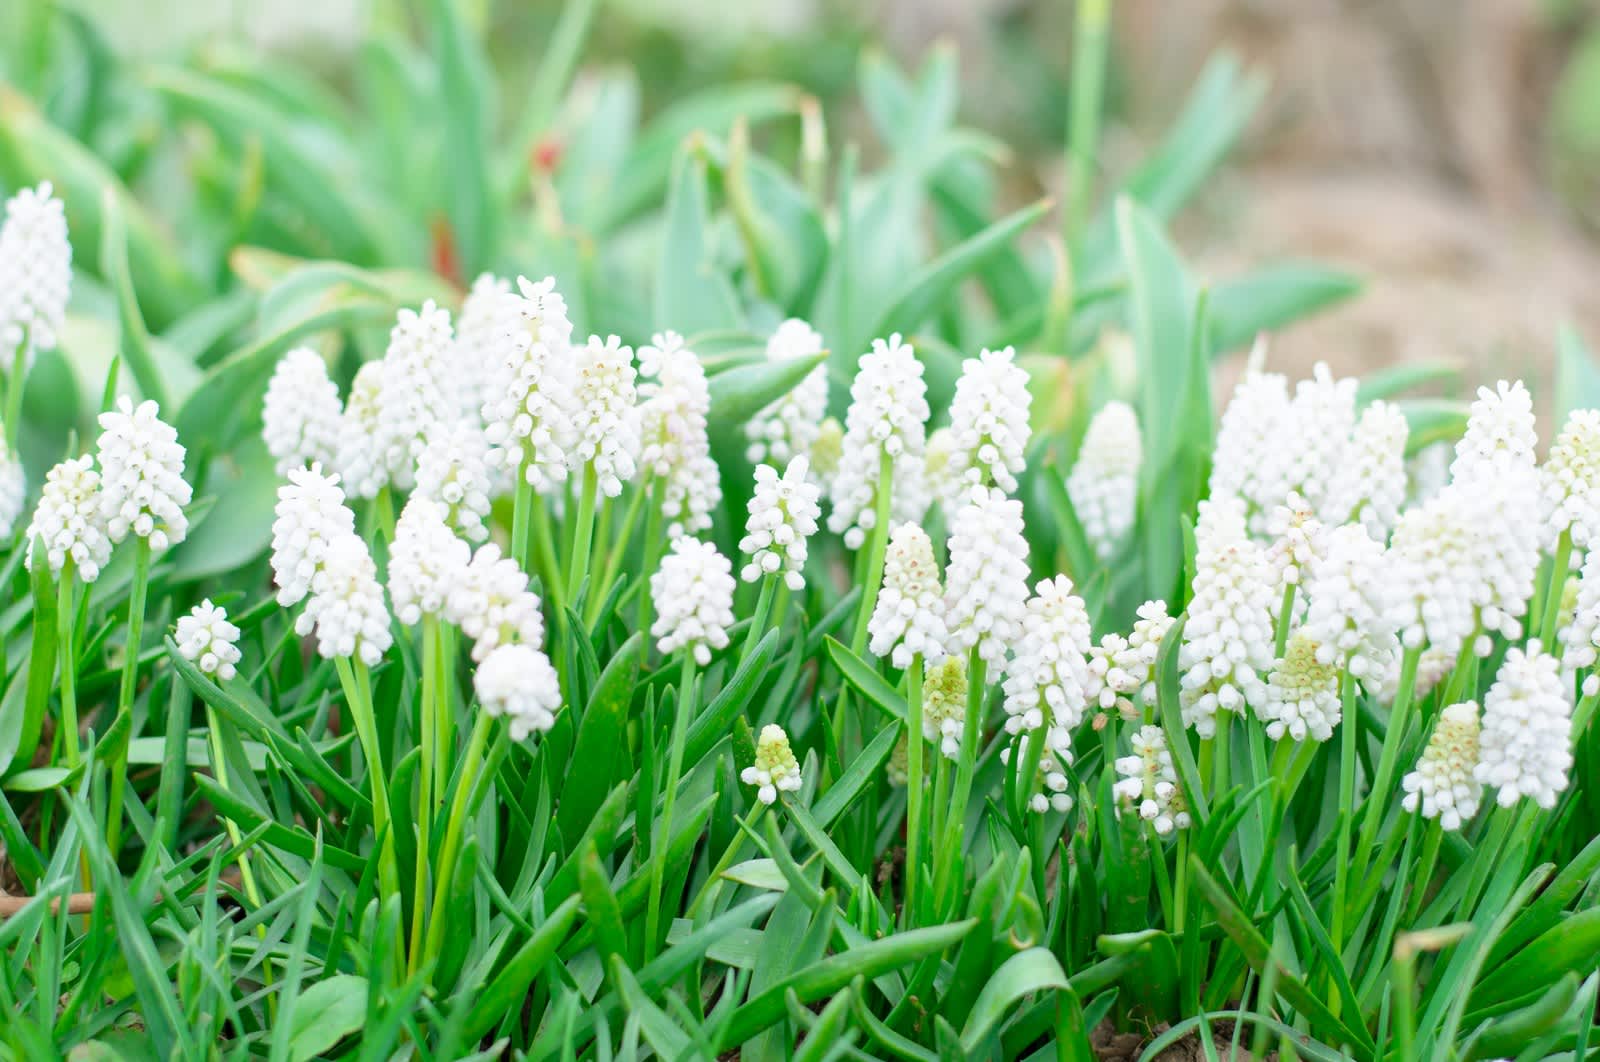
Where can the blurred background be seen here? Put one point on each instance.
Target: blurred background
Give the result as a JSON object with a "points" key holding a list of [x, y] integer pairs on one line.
{"points": [[1447, 151]]}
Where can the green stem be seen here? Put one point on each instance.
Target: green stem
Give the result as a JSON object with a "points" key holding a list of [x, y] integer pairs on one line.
{"points": [[130, 679], [460, 806], [15, 381], [1377, 803], [614, 554], [582, 531], [1424, 869], [876, 551], [729, 854], [1223, 765], [1349, 727], [758, 622], [913, 872], [652, 556], [544, 544], [1582, 714], [658, 864], [430, 753], [1552, 594], [383, 513], [1486, 857], [66, 621], [353, 677], [522, 522], [1285, 615]]}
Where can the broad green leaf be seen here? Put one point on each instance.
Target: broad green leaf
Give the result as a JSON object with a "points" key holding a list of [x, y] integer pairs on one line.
{"points": [[464, 85], [602, 742], [492, 1001], [866, 680], [327, 1012], [1024, 974], [745, 390], [1272, 297], [692, 292], [23, 709], [758, 874]]}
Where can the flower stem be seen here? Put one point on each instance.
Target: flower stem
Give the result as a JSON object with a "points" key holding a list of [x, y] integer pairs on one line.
{"points": [[450, 848], [544, 545], [1347, 785], [247, 877], [729, 854], [357, 684], [1552, 593], [913, 872], [130, 679], [758, 622], [430, 734], [658, 862], [652, 556], [614, 555], [1378, 796], [15, 380], [876, 551], [950, 853], [1285, 615], [582, 532], [66, 622]]}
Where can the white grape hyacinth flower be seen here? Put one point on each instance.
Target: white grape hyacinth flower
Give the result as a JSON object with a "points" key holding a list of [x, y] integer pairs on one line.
{"points": [[944, 705], [346, 608], [1302, 698], [427, 562], [676, 446], [1350, 616], [887, 418], [358, 457], [206, 638], [487, 319], [1148, 782], [1046, 682], [528, 412], [454, 472], [142, 489], [606, 418], [693, 595], [1501, 431], [783, 515], [1104, 482], [775, 770], [1580, 635], [787, 428], [1525, 747], [908, 618], [13, 488], [517, 682], [1228, 637], [310, 513], [1429, 558], [988, 426], [1369, 482], [1144, 644], [1570, 478], [301, 413], [69, 520], [493, 605], [1444, 785], [35, 274], [1253, 426], [416, 392], [986, 591], [1297, 540], [1428, 471], [1320, 419]]}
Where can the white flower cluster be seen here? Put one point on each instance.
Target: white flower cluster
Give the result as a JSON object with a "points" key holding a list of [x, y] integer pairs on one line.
{"points": [[142, 489], [887, 417], [1571, 479], [1580, 637], [1298, 539], [301, 413], [492, 604], [1428, 471], [1122, 670], [676, 448], [69, 520], [346, 608], [1369, 482], [693, 595], [1501, 431], [1253, 429], [1228, 637], [416, 392], [1302, 698], [1149, 782], [788, 428], [206, 637], [453, 471], [358, 459], [35, 274], [487, 320], [1525, 749], [783, 517], [1046, 681], [908, 617], [517, 681], [1430, 557], [775, 770], [605, 414], [988, 426], [1320, 419], [310, 514], [1349, 615], [987, 581], [1444, 786], [1048, 789], [944, 705], [1104, 483], [528, 411], [13, 488], [427, 562]]}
